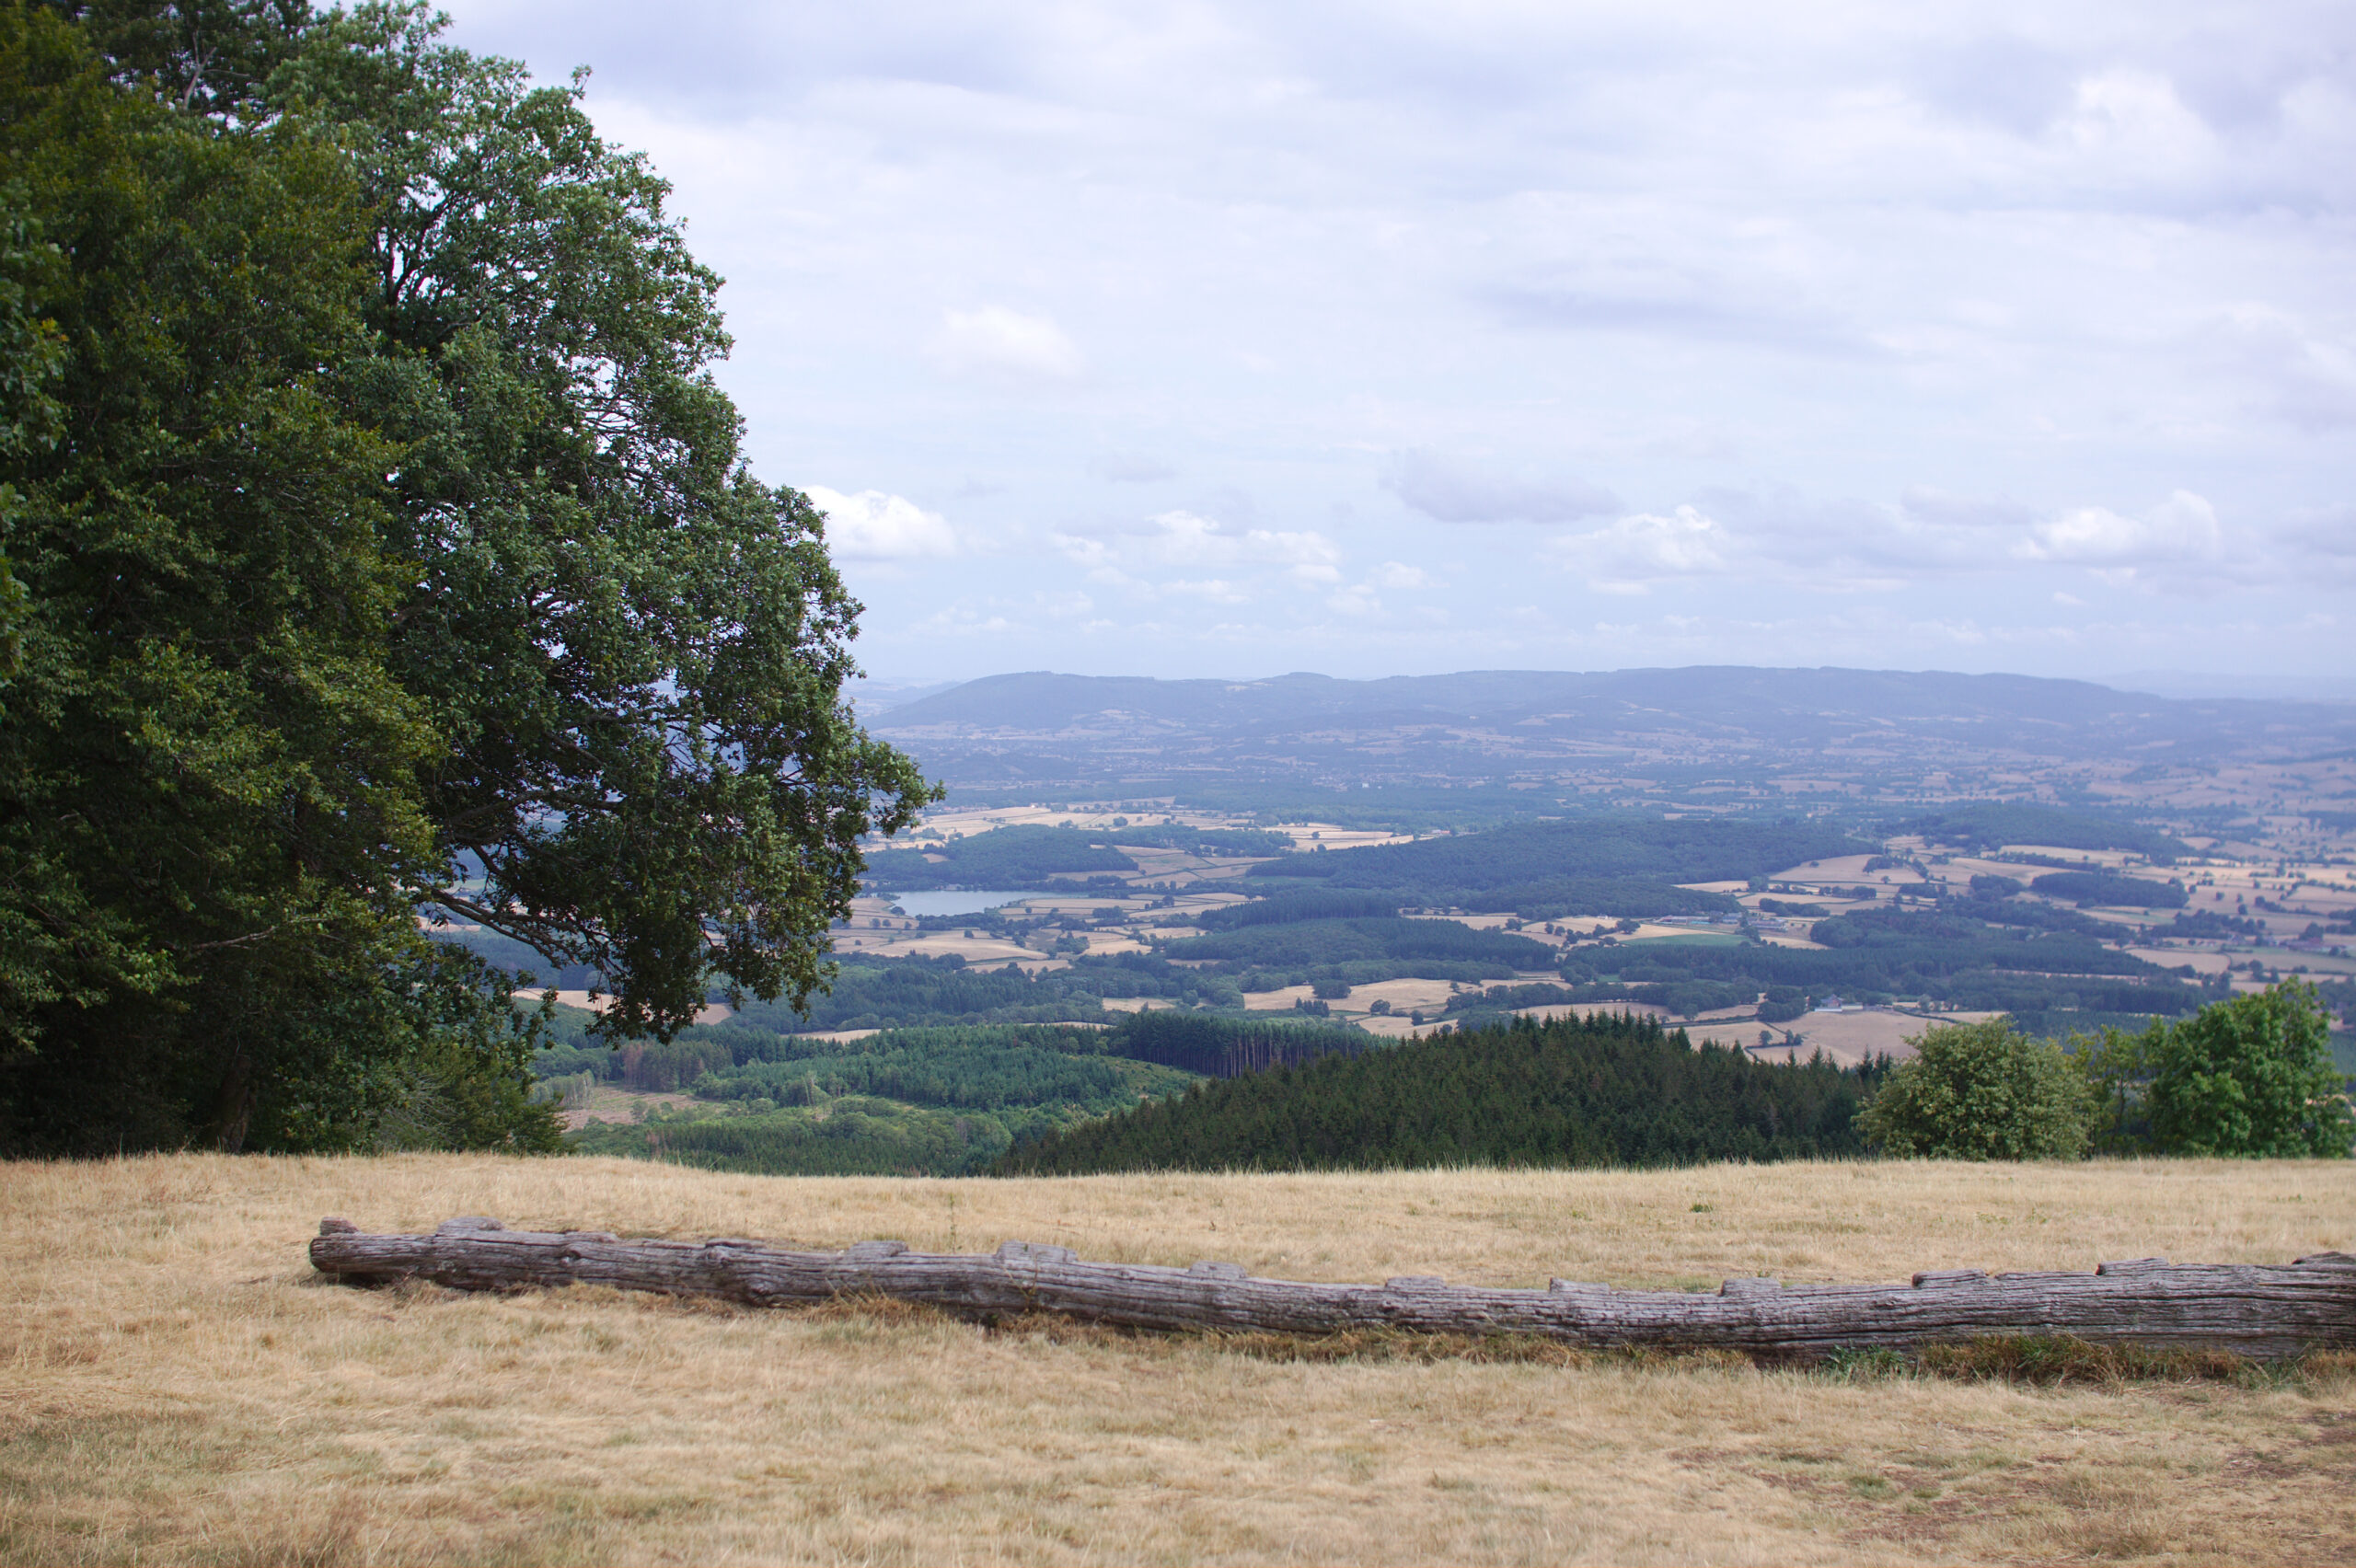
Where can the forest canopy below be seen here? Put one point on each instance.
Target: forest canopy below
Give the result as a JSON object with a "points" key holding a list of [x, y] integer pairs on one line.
{"points": [[375, 543], [1618, 866]]}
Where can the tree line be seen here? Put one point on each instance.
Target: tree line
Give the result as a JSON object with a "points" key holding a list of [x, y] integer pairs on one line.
{"points": [[1603, 1090]]}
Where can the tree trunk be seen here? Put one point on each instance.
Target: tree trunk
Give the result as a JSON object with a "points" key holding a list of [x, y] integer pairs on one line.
{"points": [[2262, 1311]]}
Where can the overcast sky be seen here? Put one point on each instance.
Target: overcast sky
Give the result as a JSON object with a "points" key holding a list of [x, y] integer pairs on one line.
{"points": [[1230, 339]]}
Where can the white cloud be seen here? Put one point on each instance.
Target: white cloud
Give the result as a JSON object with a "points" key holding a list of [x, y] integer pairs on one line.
{"points": [[2181, 531], [1131, 469], [872, 525], [1514, 260], [1398, 575], [1458, 490], [1216, 589], [1187, 540], [1643, 547], [2324, 543], [998, 339]]}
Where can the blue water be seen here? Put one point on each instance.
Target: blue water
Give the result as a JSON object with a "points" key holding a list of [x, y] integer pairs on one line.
{"points": [[962, 901]]}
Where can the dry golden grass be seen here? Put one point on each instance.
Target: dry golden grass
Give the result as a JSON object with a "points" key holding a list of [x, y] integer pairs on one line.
{"points": [[177, 1386]]}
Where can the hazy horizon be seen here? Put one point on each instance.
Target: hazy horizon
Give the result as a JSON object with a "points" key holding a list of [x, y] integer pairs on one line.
{"points": [[1418, 338], [2175, 683]]}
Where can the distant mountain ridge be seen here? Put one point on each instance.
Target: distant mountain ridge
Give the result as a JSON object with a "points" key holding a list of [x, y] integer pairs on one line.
{"points": [[1733, 696], [1737, 697]]}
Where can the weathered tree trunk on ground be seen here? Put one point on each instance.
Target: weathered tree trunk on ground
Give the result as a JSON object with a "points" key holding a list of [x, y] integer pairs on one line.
{"points": [[2260, 1311]]}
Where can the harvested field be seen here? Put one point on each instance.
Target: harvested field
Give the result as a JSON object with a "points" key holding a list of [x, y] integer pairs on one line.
{"points": [[178, 1387]]}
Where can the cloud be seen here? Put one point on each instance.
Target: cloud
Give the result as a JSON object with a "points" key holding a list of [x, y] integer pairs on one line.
{"points": [[1135, 551], [1131, 469], [873, 525], [2304, 374], [1644, 548], [1397, 574], [2181, 531], [1454, 489], [1502, 257], [2327, 535], [1968, 514], [994, 338]]}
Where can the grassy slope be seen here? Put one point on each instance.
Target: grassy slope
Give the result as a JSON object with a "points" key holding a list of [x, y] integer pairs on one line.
{"points": [[176, 1386]]}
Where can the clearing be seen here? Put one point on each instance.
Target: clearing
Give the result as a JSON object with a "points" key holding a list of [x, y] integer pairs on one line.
{"points": [[178, 1387]]}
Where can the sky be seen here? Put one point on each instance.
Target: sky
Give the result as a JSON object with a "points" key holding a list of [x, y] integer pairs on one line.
{"points": [[1382, 339]]}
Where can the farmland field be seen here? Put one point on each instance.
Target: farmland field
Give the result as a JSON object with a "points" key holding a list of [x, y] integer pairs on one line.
{"points": [[177, 1386]]}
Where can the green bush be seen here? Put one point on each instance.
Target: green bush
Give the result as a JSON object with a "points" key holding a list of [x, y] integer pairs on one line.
{"points": [[1981, 1091], [2252, 1077]]}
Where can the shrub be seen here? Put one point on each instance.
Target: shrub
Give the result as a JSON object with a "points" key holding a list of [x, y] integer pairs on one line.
{"points": [[2252, 1077], [1981, 1091]]}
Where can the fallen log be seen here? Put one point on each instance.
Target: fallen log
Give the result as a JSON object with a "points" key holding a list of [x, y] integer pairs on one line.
{"points": [[2262, 1311]]}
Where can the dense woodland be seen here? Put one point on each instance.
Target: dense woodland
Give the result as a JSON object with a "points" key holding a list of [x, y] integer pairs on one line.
{"points": [[919, 1102], [1990, 824], [2103, 888], [1619, 866], [2036, 962], [1600, 1090]]}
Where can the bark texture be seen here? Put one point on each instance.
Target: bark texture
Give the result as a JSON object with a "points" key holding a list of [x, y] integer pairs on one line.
{"points": [[2262, 1311]]}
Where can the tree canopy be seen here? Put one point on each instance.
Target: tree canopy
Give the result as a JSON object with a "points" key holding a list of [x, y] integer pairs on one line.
{"points": [[378, 544]]}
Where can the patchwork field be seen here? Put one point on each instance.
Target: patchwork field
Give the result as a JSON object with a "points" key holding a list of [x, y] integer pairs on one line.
{"points": [[177, 1386]]}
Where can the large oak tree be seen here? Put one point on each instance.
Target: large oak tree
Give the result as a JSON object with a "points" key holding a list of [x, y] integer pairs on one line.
{"points": [[387, 547]]}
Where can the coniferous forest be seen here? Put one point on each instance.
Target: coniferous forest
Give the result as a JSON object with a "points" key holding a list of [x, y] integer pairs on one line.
{"points": [[1605, 1089]]}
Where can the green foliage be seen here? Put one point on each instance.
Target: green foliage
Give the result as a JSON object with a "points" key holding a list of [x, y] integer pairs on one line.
{"points": [[2107, 889], [1229, 1046], [1548, 871], [854, 1136], [982, 1069], [925, 1101], [901, 992], [2117, 1066], [1981, 1091], [1315, 942], [1292, 907], [2252, 1077], [209, 772], [1600, 1090], [1990, 825], [1021, 857], [1210, 842], [367, 509], [633, 650], [1951, 954]]}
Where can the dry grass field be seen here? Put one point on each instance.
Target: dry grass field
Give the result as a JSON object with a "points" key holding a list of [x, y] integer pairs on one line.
{"points": [[177, 1387]]}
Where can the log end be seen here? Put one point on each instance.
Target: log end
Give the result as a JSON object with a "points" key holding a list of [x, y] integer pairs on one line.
{"points": [[331, 1226], [469, 1225], [1034, 1252], [2131, 1266], [1949, 1279]]}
